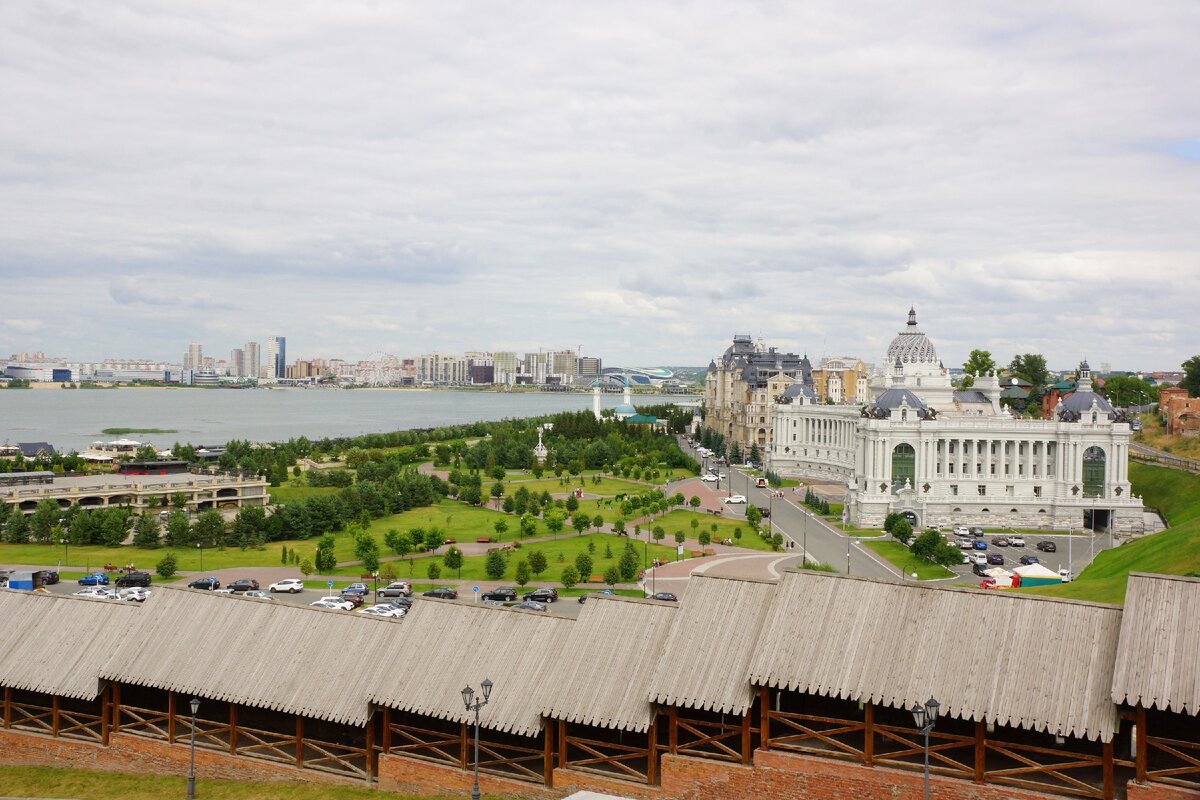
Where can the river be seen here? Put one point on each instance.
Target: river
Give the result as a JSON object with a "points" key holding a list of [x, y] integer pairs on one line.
{"points": [[73, 419]]}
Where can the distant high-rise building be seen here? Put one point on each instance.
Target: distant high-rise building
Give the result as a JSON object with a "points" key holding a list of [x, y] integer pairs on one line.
{"points": [[277, 356], [237, 362], [194, 357], [588, 367], [563, 363], [252, 354], [505, 367]]}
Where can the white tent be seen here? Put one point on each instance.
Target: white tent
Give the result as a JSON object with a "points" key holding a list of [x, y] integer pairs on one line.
{"points": [[1036, 571]]}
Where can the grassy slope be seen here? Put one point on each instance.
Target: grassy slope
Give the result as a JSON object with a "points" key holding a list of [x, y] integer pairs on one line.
{"points": [[50, 782], [902, 558], [680, 520], [1174, 551]]}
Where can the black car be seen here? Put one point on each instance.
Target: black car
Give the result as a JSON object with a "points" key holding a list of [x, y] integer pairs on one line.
{"points": [[398, 602], [583, 597], [502, 595], [48, 577], [205, 583], [244, 585], [134, 579], [976, 531], [1027, 560], [764, 511], [444, 592], [980, 570], [664, 596], [542, 595], [1047, 547], [995, 558]]}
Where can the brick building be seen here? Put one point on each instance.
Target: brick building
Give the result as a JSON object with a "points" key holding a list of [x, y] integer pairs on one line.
{"points": [[1180, 413]]}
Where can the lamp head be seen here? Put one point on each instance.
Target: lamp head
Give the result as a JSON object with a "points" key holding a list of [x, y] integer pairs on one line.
{"points": [[487, 689], [468, 693], [195, 706], [931, 710], [918, 714]]}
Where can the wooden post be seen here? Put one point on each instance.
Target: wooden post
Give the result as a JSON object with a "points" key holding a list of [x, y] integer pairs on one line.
{"points": [[116, 708], [869, 734], [673, 730], [548, 754], [54, 715], [387, 730], [746, 751], [370, 746], [1140, 730], [299, 741], [104, 717], [1108, 771], [652, 752], [7, 707], [764, 697], [464, 757], [980, 750], [233, 729], [562, 744], [170, 717]]}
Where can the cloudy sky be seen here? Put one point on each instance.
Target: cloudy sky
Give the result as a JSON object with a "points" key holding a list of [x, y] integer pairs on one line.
{"points": [[644, 179]]}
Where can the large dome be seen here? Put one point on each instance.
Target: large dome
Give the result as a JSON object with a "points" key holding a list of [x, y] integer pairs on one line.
{"points": [[911, 346]]}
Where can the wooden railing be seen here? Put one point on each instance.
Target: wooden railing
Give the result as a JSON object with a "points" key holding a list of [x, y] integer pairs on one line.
{"points": [[415, 742], [706, 738], [1176, 762], [511, 760], [267, 745], [905, 748], [143, 722], [339, 759], [1046, 769], [810, 733]]}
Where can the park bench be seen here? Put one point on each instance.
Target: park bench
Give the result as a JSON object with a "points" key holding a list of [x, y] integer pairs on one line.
{"points": [[483, 539], [595, 579]]}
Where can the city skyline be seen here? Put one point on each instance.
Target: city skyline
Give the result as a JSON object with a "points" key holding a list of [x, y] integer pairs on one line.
{"points": [[1024, 176]]}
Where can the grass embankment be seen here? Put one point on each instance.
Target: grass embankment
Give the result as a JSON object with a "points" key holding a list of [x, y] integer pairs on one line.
{"points": [[52, 782], [680, 520], [607, 486], [902, 558], [124, 431], [295, 489], [1175, 551], [1154, 434]]}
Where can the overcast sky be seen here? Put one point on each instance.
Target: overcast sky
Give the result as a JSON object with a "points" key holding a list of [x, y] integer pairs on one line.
{"points": [[642, 178]]}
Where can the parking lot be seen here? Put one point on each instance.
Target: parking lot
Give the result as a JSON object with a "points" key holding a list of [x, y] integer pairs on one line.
{"points": [[1073, 551]]}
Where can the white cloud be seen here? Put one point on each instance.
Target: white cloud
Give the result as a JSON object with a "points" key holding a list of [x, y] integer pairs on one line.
{"points": [[644, 178]]}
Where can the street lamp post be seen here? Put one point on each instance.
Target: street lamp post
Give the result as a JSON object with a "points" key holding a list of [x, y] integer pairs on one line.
{"points": [[804, 546], [191, 782], [925, 717], [375, 575], [473, 704], [66, 550], [200, 546]]}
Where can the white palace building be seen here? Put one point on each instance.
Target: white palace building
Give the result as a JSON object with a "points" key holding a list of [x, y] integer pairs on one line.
{"points": [[940, 455]]}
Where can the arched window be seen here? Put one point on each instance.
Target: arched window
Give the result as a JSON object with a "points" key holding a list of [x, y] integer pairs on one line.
{"points": [[904, 466], [1094, 464]]}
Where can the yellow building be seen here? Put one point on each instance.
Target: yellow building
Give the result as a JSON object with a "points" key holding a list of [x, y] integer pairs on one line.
{"points": [[842, 380]]}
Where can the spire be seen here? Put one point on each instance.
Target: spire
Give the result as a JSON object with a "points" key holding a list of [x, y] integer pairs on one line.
{"points": [[912, 317]]}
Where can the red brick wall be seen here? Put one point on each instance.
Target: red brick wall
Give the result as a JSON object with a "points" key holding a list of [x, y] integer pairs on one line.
{"points": [[398, 773], [1156, 791]]}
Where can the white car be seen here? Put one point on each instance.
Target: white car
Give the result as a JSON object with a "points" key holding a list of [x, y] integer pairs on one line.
{"points": [[257, 595], [97, 593], [734, 499], [1016, 541], [379, 611], [332, 603], [962, 530], [134, 594], [291, 585], [710, 478], [978, 558], [226, 590]]}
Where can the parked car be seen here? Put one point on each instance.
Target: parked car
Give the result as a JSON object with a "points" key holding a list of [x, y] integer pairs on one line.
{"points": [[1016, 541], [355, 599], [1027, 560], [1066, 575], [966, 544], [542, 595], [289, 585], [257, 595], [502, 595], [1047, 546], [381, 611], [137, 594], [1000, 541], [764, 512], [987, 583], [976, 530], [211, 584], [709, 478], [664, 596], [980, 544], [443, 592], [95, 592], [226, 590], [978, 558], [532, 605], [396, 589], [979, 569], [737, 499], [583, 597], [243, 585], [398, 602], [133, 579], [995, 558], [361, 588], [94, 579], [332, 603], [49, 577], [961, 530]]}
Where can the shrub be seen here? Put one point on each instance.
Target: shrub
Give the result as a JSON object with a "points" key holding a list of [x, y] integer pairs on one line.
{"points": [[166, 566], [902, 531], [570, 577]]}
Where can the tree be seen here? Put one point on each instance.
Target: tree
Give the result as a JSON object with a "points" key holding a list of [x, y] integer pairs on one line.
{"points": [[324, 558], [705, 538], [694, 502], [753, 516], [572, 504], [283, 555], [1032, 368], [1191, 376], [366, 549], [434, 572], [619, 526], [16, 530], [554, 521], [735, 453], [947, 554], [537, 562], [497, 491], [580, 522], [179, 500], [453, 559], [612, 576], [528, 524], [166, 566], [501, 526], [1124, 391], [627, 565], [679, 537], [659, 533], [902, 531], [43, 519], [597, 521], [925, 545], [210, 528], [495, 565], [980, 362], [521, 575], [583, 563], [434, 538], [777, 541], [755, 455], [146, 532], [306, 568], [737, 534], [570, 577]]}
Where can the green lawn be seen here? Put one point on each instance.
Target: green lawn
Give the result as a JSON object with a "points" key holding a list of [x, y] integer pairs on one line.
{"points": [[53, 782], [607, 486], [681, 520], [569, 545], [296, 489], [1175, 551], [903, 559]]}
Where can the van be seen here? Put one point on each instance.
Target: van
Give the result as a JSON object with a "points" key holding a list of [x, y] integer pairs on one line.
{"points": [[761, 483]]}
